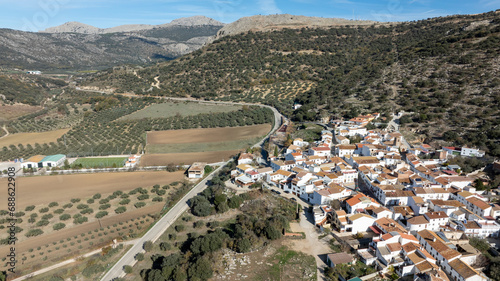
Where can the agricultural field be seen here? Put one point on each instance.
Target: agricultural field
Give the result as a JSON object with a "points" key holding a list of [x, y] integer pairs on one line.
{"points": [[206, 145], [186, 158], [171, 109], [105, 162], [59, 230], [207, 135], [10, 112], [39, 189], [32, 138]]}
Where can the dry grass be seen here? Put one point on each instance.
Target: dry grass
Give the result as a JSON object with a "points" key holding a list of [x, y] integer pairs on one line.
{"points": [[186, 158], [9, 112], [207, 135], [46, 189], [32, 138]]}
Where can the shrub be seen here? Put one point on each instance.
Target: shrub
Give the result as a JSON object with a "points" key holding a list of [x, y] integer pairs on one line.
{"points": [[120, 210], [103, 201], [27, 209], [160, 192], [96, 196], [139, 257], [58, 226], [64, 217], [118, 193], [164, 246], [127, 269], [139, 205], [19, 214], [124, 202], [42, 223], [124, 195], [198, 224], [44, 210], [147, 246], [104, 206], [87, 211], [90, 201], [101, 214], [58, 211], [82, 206], [47, 216], [80, 220], [66, 206], [143, 197], [179, 228], [34, 232], [53, 204], [75, 200], [157, 199]]}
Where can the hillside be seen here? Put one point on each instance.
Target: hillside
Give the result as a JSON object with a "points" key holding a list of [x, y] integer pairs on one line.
{"points": [[444, 70], [78, 46]]}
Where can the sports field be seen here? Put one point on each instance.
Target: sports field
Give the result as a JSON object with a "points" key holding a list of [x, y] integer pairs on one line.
{"points": [[186, 158], [105, 162], [169, 109]]}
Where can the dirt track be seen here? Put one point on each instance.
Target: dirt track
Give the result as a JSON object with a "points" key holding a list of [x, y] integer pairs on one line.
{"points": [[45, 189], [207, 135]]}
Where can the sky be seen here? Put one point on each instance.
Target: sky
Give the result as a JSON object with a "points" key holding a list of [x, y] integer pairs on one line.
{"points": [[35, 15]]}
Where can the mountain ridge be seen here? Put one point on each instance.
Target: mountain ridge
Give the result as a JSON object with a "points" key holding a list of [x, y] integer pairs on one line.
{"points": [[78, 27]]}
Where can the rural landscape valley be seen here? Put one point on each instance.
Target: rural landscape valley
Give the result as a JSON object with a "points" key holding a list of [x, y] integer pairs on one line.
{"points": [[273, 147]]}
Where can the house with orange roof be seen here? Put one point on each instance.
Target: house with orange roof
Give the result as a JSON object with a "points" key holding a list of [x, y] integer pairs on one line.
{"points": [[245, 158], [359, 201], [478, 206]]}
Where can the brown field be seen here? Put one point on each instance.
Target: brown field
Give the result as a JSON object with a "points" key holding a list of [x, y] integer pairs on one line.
{"points": [[45, 189], [207, 135], [9, 112], [34, 242], [186, 158], [32, 138]]}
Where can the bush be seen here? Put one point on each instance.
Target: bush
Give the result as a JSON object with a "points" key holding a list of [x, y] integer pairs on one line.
{"points": [[179, 228], [47, 216], [139, 257], [101, 214], [58, 226], [30, 208], [34, 232], [59, 211], [157, 199], [124, 202], [44, 210], [120, 210], [127, 269], [90, 201], [164, 246], [80, 220], [235, 202], [139, 205], [161, 192], [104, 206], [147, 246], [66, 206], [64, 217], [87, 211], [42, 223], [92, 270], [103, 201], [53, 204], [82, 206], [198, 224], [143, 197], [96, 196], [75, 200]]}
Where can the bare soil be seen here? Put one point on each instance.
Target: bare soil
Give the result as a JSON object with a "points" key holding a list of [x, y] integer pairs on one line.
{"points": [[9, 112], [207, 135], [32, 138], [44, 189]]}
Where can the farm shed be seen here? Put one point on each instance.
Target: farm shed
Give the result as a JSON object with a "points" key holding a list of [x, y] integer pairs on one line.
{"points": [[32, 162], [53, 160], [197, 170]]}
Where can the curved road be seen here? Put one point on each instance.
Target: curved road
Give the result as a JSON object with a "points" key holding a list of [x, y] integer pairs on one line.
{"points": [[166, 221]]}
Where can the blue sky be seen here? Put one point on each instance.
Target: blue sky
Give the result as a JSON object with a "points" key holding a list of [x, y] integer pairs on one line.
{"points": [[33, 15]]}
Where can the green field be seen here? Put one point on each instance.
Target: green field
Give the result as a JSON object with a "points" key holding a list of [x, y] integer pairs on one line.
{"points": [[111, 162], [170, 109], [201, 147]]}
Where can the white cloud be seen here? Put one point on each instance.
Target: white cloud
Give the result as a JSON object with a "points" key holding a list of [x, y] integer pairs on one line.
{"points": [[269, 6]]}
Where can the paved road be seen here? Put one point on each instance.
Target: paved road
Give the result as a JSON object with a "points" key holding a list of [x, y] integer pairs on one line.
{"points": [[157, 230]]}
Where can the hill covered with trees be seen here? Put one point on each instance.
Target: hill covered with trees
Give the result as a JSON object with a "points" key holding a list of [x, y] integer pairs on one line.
{"points": [[443, 70]]}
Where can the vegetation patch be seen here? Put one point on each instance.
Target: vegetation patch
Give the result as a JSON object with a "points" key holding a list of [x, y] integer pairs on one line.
{"points": [[106, 162]]}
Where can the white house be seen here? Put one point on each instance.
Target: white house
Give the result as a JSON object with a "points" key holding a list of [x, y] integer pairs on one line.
{"points": [[53, 160]]}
